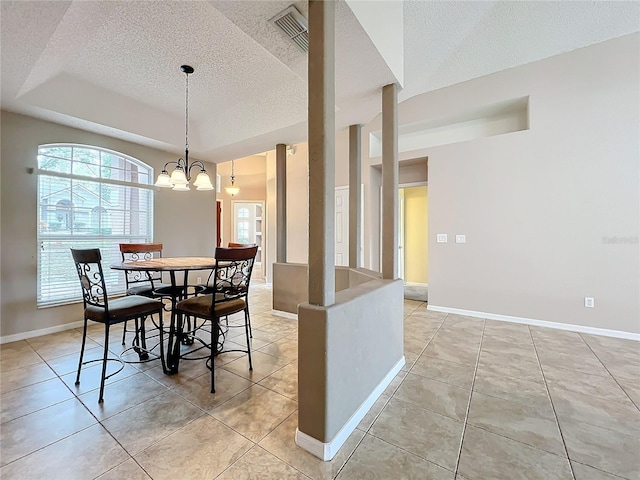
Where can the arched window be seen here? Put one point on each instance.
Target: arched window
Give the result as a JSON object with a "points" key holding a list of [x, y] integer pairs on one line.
{"points": [[89, 197]]}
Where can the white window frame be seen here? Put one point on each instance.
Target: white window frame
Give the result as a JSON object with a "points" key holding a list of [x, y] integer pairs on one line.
{"points": [[57, 280]]}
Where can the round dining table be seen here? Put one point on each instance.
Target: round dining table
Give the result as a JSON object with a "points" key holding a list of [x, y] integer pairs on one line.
{"points": [[171, 360]]}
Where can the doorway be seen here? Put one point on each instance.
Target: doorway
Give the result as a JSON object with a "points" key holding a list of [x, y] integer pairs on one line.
{"points": [[413, 233], [247, 227]]}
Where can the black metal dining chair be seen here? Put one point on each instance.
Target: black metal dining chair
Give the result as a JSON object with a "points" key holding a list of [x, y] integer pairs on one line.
{"points": [[229, 295], [98, 308], [147, 284]]}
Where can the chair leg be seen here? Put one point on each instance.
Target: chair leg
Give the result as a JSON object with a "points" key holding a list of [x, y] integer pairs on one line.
{"points": [[247, 326], [215, 334], [248, 319], [104, 362], [124, 333], [143, 354], [84, 339]]}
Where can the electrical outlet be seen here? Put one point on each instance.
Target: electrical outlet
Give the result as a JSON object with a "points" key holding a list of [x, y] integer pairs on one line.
{"points": [[199, 279], [461, 239], [589, 302], [441, 238]]}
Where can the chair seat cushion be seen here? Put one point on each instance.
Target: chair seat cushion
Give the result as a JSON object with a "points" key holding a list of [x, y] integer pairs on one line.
{"points": [[201, 306], [162, 289], [124, 308], [144, 290]]}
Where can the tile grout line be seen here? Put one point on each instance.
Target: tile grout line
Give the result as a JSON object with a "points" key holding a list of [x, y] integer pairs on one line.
{"points": [[553, 407], [466, 415], [612, 376]]}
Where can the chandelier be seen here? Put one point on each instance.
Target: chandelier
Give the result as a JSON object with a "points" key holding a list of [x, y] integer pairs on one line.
{"points": [[232, 189], [181, 175]]}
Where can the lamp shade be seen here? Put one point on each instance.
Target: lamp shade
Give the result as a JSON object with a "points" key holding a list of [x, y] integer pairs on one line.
{"points": [[232, 190], [164, 180], [178, 177], [203, 182], [181, 187]]}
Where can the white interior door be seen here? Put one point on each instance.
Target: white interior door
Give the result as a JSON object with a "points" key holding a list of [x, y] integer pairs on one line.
{"points": [[247, 228], [342, 225]]}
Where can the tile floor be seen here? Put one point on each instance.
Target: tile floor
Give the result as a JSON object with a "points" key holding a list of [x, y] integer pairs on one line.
{"points": [[476, 400]]}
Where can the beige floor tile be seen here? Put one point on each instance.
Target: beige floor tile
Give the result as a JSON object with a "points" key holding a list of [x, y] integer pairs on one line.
{"points": [[581, 362], [499, 345], [59, 344], [258, 464], [32, 432], [429, 435], [517, 420], [452, 353], [551, 338], [283, 381], [618, 415], [512, 388], [84, 455], [583, 383], [255, 412], [128, 470], [283, 348], [91, 374], [17, 355], [486, 455], [633, 392], [444, 371], [503, 364], [198, 390], [147, 423], [281, 443], [200, 451], [69, 363], [433, 395], [603, 449], [25, 376], [624, 373], [263, 366], [30, 399], [376, 459], [585, 472], [122, 395]]}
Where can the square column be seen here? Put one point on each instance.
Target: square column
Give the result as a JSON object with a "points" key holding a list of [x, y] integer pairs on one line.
{"points": [[281, 203], [355, 195], [390, 181], [321, 152]]}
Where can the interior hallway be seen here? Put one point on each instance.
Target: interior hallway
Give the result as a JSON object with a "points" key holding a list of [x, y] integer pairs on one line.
{"points": [[476, 400]]}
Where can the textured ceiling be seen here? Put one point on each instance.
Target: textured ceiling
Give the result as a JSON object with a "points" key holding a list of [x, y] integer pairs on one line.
{"points": [[113, 66]]}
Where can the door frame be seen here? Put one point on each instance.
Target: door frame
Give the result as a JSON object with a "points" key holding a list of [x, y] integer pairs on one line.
{"points": [[263, 249]]}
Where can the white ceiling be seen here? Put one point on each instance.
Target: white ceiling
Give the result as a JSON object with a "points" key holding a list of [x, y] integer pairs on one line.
{"points": [[112, 67]]}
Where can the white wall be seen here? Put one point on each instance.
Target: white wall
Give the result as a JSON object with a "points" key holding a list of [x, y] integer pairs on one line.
{"points": [[183, 221], [551, 214]]}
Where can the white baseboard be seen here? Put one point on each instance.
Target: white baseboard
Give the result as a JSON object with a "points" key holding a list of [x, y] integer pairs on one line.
{"points": [[327, 450], [37, 333], [282, 313], [538, 323]]}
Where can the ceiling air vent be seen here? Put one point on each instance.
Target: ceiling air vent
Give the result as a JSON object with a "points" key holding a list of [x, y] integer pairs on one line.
{"points": [[294, 26]]}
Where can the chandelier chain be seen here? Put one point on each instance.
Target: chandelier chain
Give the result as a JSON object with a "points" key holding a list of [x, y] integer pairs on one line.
{"points": [[186, 116]]}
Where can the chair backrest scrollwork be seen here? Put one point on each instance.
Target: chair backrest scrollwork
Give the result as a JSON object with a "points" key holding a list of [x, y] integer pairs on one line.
{"points": [[89, 268], [232, 274]]}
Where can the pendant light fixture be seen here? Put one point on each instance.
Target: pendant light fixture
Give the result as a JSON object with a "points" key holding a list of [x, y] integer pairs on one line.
{"points": [[181, 175], [232, 189]]}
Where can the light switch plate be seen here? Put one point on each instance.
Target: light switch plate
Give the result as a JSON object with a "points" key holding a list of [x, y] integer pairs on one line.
{"points": [[441, 238], [461, 239]]}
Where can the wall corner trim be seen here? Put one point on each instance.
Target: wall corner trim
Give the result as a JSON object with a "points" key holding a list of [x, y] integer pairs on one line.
{"points": [[538, 323], [327, 450]]}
